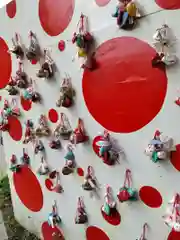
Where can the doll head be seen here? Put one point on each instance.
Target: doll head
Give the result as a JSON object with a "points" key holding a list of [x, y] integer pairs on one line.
{"points": [[149, 150]]}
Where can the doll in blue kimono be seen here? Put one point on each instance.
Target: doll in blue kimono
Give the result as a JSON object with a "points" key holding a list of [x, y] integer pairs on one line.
{"points": [[70, 161]]}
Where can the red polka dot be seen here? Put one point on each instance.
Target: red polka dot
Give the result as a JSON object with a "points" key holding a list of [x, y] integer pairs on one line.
{"points": [[11, 9], [102, 3], [34, 61], [95, 233], [61, 45], [26, 104], [55, 15], [175, 158], [15, 128], [150, 196], [47, 231], [174, 235], [5, 63], [49, 184], [53, 115], [172, 5], [28, 189], [120, 94], [114, 219], [80, 172]]}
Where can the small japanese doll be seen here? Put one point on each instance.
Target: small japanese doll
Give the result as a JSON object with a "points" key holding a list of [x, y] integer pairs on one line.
{"points": [[4, 123], [127, 193], [14, 167], [43, 129], [29, 132], [160, 147], [12, 87], [144, 232], [11, 108], [17, 47], [66, 94], [57, 187], [21, 77], [25, 159], [81, 215], [63, 128], [38, 146], [47, 68], [126, 14], [33, 52], [109, 206], [172, 216], [89, 180], [53, 218], [79, 135], [30, 94], [162, 36], [164, 59], [44, 168], [177, 101], [70, 161], [84, 42]]}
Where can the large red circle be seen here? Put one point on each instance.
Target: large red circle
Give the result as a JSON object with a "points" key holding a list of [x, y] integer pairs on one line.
{"points": [[11, 9], [168, 4], [15, 128], [26, 104], [5, 63], [28, 189], [175, 158], [47, 231], [150, 196], [174, 235], [102, 3], [55, 15], [95, 233], [124, 93], [53, 115], [114, 219]]}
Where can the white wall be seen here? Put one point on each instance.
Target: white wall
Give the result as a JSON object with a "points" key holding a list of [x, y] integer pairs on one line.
{"points": [[103, 26]]}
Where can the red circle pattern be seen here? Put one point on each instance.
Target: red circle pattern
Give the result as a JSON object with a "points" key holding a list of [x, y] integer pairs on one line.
{"points": [[11, 9], [150, 196], [53, 115], [114, 219], [15, 128], [171, 5], [26, 104], [48, 231], [175, 158], [102, 3], [95, 233], [174, 235]]}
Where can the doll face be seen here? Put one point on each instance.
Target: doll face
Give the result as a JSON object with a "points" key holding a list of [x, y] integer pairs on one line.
{"points": [[149, 150], [162, 155]]}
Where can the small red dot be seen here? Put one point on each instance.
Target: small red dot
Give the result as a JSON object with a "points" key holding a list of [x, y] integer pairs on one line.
{"points": [[110, 92], [5, 63], [174, 235], [11, 9], [114, 219], [28, 189], [49, 184], [34, 61], [175, 158], [47, 231], [150, 196], [80, 172], [102, 3], [53, 115], [26, 104], [171, 5], [59, 14], [15, 128], [61, 45], [95, 233], [0, 98]]}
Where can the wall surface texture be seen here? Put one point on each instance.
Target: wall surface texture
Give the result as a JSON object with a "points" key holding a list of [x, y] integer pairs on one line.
{"points": [[124, 95]]}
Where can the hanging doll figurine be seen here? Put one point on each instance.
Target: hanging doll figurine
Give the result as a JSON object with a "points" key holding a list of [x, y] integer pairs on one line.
{"points": [[177, 101], [70, 161], [78, 135], [126, 14], [4, 124], [47, 68], [30, 93], [58, 187], [29, 132], [11, 109], [53, 218], [84, 42], [63, 128], [33, 52], [66, 93], [172, 216], [21, 76], [43, 129], [25, 159], [12, 87], [55, 142], [109, 206], [81, 215], [143, 235], [43, 169], [38, 147], [127, 193], [17, 47], [89, 180], [15, 167], [160, 147]]}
